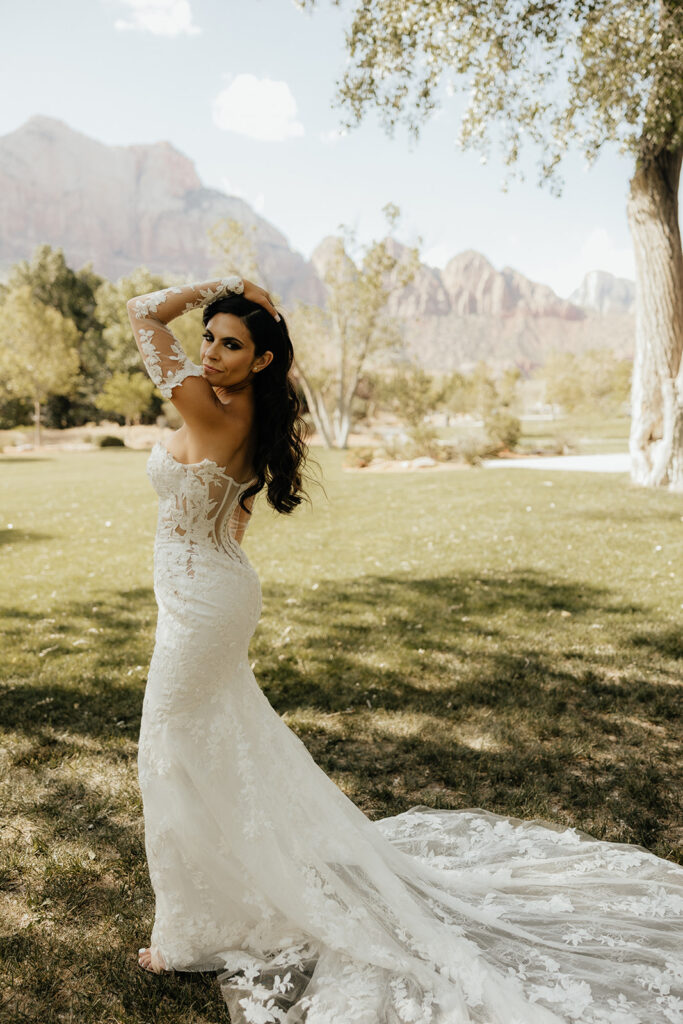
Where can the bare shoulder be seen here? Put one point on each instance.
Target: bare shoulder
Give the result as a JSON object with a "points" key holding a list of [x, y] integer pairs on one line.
{"points": [[227, 441]]}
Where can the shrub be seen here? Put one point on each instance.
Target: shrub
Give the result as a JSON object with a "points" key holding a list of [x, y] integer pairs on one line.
{"points": [[109, 441], [562, 444], [358, 458], [503, 430], [470, 449], [424, 440]]}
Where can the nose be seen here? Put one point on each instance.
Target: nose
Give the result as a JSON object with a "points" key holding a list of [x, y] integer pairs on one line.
{"points": [[212, 349]]}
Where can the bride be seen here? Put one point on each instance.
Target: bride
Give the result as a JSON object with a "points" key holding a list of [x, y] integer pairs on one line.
{"points": [[262, 869]]}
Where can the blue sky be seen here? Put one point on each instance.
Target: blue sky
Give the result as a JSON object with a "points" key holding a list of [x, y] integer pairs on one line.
{"points": [[245, 88]]}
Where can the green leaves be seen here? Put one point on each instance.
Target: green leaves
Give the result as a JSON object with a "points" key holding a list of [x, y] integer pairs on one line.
{"points": [[550, 73], [38, 347]]}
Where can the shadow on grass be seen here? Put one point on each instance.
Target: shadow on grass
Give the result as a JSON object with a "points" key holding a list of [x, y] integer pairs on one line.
{"points": [[24, 458], [19, 536], [507, 701], [667, 642], [458, 691]]}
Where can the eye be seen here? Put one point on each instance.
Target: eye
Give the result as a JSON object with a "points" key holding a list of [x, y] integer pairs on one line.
{"points": [[232, 344]]}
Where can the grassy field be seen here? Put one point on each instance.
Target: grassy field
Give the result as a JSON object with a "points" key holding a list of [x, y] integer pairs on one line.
{"points": [[507, 640], [584, 435]]}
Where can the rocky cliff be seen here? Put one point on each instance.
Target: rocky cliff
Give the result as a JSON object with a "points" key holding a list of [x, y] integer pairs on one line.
{"points": [[605, 293], [122, 206], [469, 311]]}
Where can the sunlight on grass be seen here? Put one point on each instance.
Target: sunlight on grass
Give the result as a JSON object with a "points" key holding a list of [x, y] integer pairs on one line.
{"points": [[508, 640]]}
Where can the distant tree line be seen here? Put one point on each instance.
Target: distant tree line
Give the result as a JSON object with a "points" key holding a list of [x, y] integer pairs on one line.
{"points": [[67, 355]]}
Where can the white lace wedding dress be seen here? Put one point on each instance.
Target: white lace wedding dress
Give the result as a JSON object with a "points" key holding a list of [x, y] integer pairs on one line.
{"points": [[263, 870]]}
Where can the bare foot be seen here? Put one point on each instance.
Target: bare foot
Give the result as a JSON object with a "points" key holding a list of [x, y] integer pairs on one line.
{"points": [[151, 960]]}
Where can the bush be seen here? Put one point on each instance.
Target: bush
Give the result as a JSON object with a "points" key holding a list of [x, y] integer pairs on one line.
{"points": [[503, 430], [469, 449], [562, 444], [424, 440], [359, 458], [109, 441]]}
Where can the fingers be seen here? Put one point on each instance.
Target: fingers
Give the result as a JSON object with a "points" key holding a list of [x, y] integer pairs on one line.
{"points": [[269, 306], [261, 296]]}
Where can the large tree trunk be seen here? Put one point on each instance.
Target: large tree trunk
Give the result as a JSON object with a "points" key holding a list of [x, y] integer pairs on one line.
{"points": [[318, 410], [36, 424], [656, 442], [343, 428], [343, 425]]}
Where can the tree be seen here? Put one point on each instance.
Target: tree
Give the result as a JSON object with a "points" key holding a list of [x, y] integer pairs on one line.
{"points": [[562, 376], [316, 365], [556, 73], [234, 246], [38, 350], [127, 395], [334, 347], [72, 292], [595, 381], [412, 394], [120, 353]]}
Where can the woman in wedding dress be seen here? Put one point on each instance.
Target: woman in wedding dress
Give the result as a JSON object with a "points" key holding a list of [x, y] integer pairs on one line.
{"points": [[262, 869]]}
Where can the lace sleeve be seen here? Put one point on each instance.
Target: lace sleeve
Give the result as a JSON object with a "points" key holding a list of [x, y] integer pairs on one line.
{"points": [[163, 356]]}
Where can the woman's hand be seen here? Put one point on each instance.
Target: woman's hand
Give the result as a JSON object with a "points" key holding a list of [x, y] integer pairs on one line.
{"points": [[259, 295]]}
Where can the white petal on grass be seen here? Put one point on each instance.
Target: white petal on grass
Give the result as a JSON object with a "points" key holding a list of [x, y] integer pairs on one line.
{"points": [[160, 17], [259, 108]]}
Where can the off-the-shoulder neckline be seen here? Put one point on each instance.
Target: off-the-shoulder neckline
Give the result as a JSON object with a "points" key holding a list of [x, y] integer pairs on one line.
{"points": [[210, 462]]}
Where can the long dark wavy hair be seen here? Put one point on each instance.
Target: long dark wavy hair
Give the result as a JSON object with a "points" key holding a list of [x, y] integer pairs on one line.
{"points": [[281, 448]]}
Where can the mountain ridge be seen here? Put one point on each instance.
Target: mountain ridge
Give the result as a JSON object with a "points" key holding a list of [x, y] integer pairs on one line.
{"points": [[119, 207]]}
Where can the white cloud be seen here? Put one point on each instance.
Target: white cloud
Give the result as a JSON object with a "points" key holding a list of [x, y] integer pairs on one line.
{"points": [[160, 17], [257, 107]]}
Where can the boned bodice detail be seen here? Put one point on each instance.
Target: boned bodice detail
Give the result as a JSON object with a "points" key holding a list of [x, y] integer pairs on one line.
{"points": [[198, 503]]}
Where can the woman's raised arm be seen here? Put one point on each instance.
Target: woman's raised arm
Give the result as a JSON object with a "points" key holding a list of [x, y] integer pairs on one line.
{"points": [[163, 356]]}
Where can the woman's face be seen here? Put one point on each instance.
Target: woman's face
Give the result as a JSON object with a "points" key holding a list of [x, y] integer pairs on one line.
{"points": [[227, 352]]}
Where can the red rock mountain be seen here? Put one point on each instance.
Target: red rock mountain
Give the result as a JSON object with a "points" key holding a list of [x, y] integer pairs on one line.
{"points": [[469, 311], [120, 207]]}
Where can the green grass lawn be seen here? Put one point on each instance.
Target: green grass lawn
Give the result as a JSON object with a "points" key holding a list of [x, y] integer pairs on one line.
{"points": [[584, 434], [580, 434], [509, 640]]}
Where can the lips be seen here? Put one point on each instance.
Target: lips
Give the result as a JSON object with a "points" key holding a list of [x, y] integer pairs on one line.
{"points": [[209, 369]]}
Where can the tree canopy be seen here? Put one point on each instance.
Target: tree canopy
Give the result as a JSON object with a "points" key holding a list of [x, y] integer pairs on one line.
{"points": [[554, 73], [38, 350]]}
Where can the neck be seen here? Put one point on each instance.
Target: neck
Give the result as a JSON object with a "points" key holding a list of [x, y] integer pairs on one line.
{"points": [[224, 394]]}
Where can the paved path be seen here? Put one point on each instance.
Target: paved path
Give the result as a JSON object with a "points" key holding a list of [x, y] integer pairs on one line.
{"points": [[617, 463]]}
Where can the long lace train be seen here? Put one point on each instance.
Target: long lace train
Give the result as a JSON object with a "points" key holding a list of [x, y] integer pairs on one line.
{"points": [[264, 871]]}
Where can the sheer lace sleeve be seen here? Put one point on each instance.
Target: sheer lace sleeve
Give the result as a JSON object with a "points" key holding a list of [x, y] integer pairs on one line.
{"points": [[163, 356]]}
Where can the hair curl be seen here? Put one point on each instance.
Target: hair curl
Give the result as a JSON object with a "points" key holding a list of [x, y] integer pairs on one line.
{"points": [[281, 449]]}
